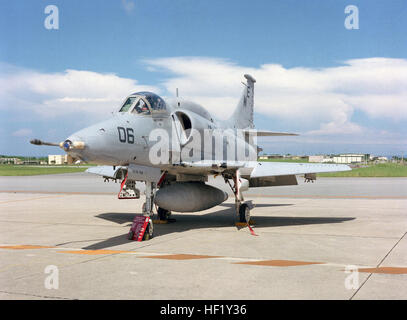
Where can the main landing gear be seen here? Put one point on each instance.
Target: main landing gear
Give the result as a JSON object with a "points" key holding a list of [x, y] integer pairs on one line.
{"points": [[244, 213], [163, 214], [242, 208]]}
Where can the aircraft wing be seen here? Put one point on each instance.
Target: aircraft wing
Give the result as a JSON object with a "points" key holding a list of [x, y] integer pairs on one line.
{"points": [[253, 169], [105, 171], [269, 169], [134, 172]]}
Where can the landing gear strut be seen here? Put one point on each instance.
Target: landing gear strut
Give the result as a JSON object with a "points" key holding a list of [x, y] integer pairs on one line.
{"points": [[148, 209], [148, 205], [242, 208]]}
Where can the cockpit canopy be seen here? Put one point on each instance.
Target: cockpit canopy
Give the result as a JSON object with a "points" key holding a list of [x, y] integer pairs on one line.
{"points": [[144, 103]]}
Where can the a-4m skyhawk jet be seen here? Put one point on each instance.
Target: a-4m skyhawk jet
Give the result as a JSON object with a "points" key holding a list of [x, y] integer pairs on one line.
{"points": [[174, 146]]}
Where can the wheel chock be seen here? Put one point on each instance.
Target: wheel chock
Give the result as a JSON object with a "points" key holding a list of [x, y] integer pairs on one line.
{"points": [[169, 220], [244, 224], [158, 221], [138, 228]]}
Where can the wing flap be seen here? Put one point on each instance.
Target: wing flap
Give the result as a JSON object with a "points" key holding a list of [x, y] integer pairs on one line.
{"points": [[269, 169], [290, 180]]}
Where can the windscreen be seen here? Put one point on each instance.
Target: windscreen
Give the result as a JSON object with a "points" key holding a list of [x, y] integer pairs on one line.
{"points": [[126, 106]]}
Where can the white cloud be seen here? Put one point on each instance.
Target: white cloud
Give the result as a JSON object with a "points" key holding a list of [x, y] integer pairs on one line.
{"points": [[321, 99], [68, 92], [128, 5], [24, 132], [314, 101]]}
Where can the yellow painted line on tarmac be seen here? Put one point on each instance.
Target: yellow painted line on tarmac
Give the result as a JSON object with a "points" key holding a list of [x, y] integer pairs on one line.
{"points": [[278, 263], [268, 263], [385, 270], [180, 257], [25, 247]]}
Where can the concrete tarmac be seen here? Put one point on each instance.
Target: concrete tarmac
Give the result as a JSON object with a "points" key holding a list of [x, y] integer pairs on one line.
{"points": [[334, 239], [325, 187]]}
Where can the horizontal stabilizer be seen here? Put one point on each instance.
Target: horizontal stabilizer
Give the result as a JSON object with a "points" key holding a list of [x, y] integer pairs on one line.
{"points": [[266, 133]]}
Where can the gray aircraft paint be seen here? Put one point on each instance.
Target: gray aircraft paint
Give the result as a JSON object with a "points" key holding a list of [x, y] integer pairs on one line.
{"points": [[122, 141], [189, 197]]}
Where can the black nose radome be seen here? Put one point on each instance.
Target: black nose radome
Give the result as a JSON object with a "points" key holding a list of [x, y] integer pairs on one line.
{"points": [[67, 145]]}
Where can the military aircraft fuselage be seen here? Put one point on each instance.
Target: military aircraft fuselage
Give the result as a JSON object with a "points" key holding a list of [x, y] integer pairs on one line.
{"points": [[184, 131], [174, 146]]}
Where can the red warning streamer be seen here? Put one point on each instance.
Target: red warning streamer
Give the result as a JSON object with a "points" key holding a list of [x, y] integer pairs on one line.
{"points": [[251, 230]]}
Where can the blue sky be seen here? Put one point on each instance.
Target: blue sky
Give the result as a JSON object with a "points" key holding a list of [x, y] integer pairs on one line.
{"points": [[140, 42]]}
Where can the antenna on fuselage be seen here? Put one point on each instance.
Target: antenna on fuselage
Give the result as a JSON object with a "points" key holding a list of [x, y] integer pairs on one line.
{"points": [[176, 94]]}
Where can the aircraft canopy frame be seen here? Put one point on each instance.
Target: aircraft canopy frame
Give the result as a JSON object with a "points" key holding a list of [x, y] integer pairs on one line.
{"points": [[144, 103]]}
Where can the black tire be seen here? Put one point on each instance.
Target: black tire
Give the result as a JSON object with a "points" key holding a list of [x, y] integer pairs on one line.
{"points": [[163, 214], [244, 212], [130, 235], [146, 236], [149, 233]]}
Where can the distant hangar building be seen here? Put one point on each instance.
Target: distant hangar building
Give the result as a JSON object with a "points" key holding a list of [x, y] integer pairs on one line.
{"points": [[317, 158], [58, 159], [351, 158]]}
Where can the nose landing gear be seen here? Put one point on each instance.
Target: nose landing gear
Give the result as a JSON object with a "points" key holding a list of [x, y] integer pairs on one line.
{"points": [[141, 229]]}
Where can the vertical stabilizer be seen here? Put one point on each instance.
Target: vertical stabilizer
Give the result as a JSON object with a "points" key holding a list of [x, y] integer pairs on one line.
{"points": [[242, 117]]}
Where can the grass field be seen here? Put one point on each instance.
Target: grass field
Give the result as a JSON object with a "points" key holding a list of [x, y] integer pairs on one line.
{"points": [[378, 170], [25, 170], [374, 170], [284, 160]]}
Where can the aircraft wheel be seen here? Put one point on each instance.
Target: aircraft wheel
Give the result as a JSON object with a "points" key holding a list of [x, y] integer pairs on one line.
{"points": [[149, 233], [163, 214], [244, 213], [130, 235]]}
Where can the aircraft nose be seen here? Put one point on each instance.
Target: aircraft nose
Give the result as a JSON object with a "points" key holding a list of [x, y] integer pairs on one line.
{"points": [[98, 143], [87, 144]]}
